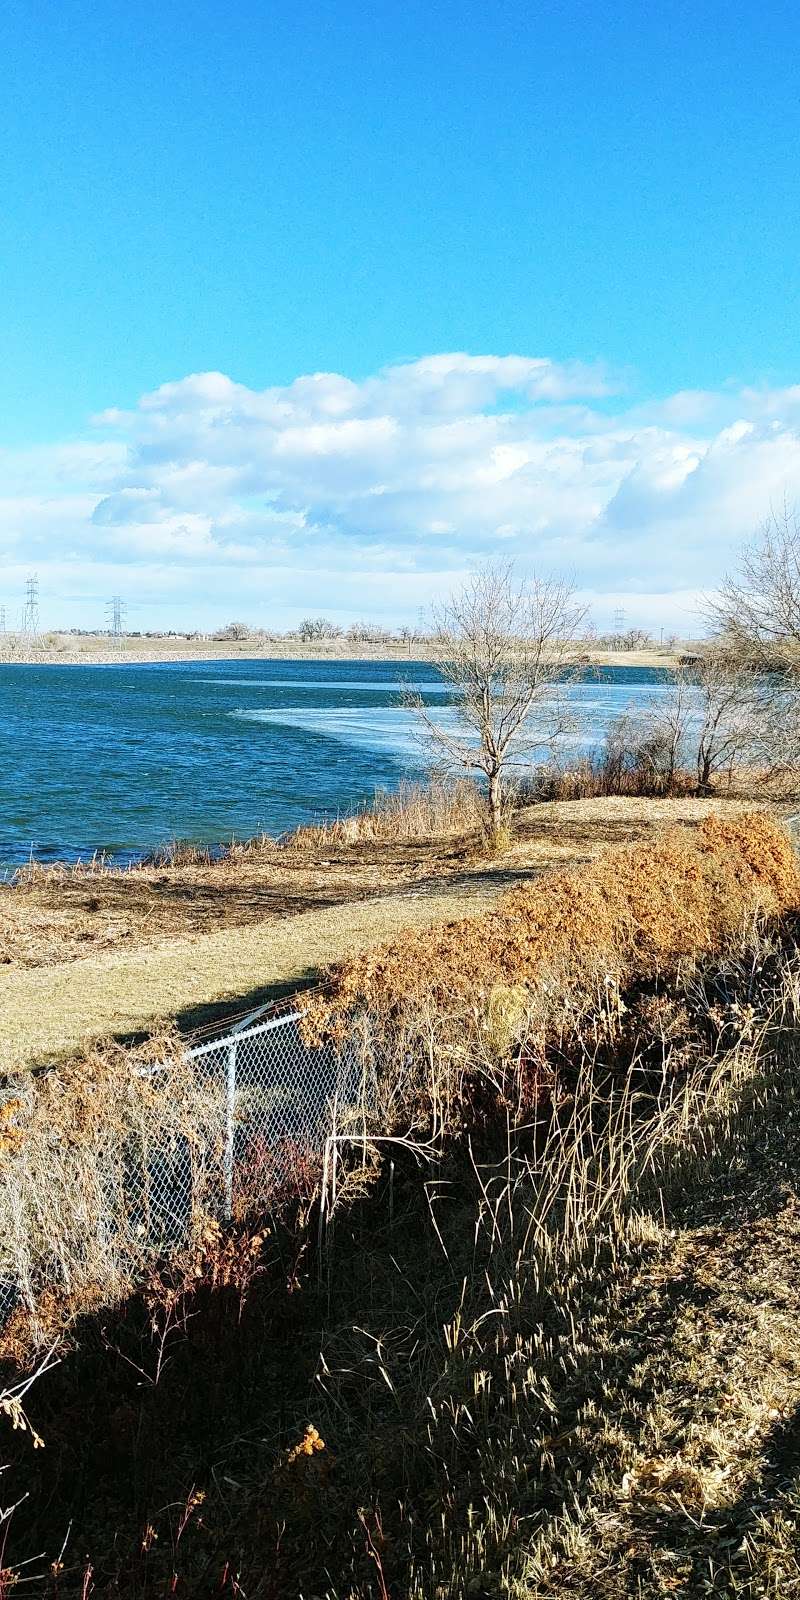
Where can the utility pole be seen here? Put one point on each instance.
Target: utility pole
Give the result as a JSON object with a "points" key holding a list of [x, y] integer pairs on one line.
{"points": [[30, 616], [115, 613]]}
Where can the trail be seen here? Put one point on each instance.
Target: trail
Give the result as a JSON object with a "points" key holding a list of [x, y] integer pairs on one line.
{"points": [[51, 1011], [47, 1012]]}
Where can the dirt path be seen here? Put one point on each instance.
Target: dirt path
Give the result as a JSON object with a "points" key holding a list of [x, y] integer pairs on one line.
{"points": [[184, 972], [50, 1011]]}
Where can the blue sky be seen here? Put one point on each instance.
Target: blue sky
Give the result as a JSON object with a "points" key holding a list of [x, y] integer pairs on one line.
{"points": [[270, 192]]}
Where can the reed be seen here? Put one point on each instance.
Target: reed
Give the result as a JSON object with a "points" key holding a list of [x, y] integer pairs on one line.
{"points": [[412, 811]]}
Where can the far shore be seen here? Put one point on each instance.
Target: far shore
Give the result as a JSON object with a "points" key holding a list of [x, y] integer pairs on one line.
{"points": [[99, 651]]}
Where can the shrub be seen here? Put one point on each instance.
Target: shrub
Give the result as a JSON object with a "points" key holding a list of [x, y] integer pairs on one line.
{"points": [[634, 912], [104, 1160]]}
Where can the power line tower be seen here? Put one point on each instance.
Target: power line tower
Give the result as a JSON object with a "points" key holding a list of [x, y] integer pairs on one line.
{"points": [[3, 628], [30, 616], [115, 612], [619, 619]]}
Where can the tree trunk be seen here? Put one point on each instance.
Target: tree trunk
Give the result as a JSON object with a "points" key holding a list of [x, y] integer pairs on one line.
{"points": [[495, 803], [704, 757]]}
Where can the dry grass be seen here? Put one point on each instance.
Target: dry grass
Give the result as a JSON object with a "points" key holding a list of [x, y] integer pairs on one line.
{"points": [[143, 949], [590, 779], [467, 1018], [412, 811], [53, 913], [561, 1360], [67, 912], [510, 1370], [634, 911], [49, 1013], [96, 1159]]}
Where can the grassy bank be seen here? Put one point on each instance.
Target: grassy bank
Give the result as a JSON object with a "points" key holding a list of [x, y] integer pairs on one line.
{"points": [[557, 1359], [100, 951], [442, 1023]]}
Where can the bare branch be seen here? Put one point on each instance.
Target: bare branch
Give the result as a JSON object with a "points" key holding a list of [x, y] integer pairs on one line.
{"points": [[505, 648], [756, 614]]}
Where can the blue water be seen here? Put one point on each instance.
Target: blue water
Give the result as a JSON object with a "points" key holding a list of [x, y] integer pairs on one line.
{"points": [[121, 758]]}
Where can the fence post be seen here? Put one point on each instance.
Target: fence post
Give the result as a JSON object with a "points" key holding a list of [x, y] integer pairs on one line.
{"points": [[230, 1098]]}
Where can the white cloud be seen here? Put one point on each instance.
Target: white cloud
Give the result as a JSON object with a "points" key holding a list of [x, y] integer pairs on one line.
{"points": [[376, 494]]}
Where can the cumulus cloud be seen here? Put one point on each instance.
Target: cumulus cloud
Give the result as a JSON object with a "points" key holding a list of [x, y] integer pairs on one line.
{"points": [[378, 493]]}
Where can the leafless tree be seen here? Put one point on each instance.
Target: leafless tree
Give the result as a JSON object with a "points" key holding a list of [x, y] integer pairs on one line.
{"points": [[756, 622], [504, 647], [368, 633], [649, 743], [756, 614], [704, 725], [408, 636], [634, 639], [726, 719], [233, 630], [319, 628]]}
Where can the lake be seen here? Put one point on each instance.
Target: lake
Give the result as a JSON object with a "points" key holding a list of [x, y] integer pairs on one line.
{"points": [[121, 758]]}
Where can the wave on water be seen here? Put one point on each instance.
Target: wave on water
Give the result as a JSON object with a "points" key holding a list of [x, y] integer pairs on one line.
{"points": [[333, 685]]}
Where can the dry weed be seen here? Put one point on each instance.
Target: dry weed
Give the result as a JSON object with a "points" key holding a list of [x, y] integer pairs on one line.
{"points": [[412, 811], [633, 912], [105, 1162]]}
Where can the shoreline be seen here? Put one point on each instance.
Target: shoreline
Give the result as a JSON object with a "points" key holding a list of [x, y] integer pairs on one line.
{"points": [[95, 954], [147, 653]]}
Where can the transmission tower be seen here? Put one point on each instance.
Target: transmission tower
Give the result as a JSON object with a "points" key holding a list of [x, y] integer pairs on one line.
{"points": [[30, 616], [115, 612], [619, 619], [2, 619]]}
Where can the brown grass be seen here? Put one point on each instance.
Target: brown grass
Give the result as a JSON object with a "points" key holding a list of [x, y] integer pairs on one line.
{"points": [[412, 811], [632, 912], [591, 779], [94, 1156], [561, 1363], [87, 956]]}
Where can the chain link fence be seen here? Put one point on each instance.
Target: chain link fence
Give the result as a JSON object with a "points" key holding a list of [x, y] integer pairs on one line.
{"points": [[229, 1124]]}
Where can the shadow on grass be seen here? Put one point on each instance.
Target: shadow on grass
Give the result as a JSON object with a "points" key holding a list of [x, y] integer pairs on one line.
{"points": [[461, 1407], [152, 1408]]}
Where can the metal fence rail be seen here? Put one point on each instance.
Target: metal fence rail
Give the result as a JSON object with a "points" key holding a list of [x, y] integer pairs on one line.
{"points": [[255, 1107], [281, 1096]]}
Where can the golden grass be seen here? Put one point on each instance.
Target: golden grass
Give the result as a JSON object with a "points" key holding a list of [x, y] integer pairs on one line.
{"points": [[53, 1011], [82, 1153], [412, 811], [633, 911], [150, 962]]}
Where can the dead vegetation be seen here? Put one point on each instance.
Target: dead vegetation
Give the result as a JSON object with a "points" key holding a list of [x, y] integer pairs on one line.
{"points": [[539, 1346], [104, 1163], [636, 911], [51, 914], [413, 811], [445, 1019], [419, 839], [561, 1358]]}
